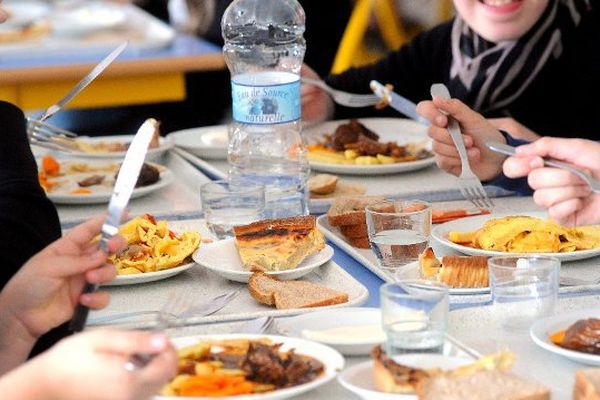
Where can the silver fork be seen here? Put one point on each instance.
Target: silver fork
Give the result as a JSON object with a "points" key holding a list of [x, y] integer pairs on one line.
{"points": [[49, 136], [567, 281], [468, 183], [510, 151], [344, 98], [180, 310]]}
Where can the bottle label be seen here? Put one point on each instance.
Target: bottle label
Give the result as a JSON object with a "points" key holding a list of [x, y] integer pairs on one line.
{"points": [[266, 104]]}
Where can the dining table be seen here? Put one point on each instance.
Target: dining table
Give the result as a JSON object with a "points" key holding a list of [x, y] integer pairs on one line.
{"points": [[470, 318], [152, 69]]}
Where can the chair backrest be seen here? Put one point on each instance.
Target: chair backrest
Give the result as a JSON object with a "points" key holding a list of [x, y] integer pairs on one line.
{"points": [[353, 51]]}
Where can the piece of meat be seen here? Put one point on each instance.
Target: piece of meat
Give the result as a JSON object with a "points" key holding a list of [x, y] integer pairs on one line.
{"points": [[343, 136], [584, 336], [148, 175], [91, 181], [370, 147], [300, 369], [361, 129], [262, 364]]}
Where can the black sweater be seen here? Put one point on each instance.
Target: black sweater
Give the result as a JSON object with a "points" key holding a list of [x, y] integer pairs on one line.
{"points": [[554, 104]]}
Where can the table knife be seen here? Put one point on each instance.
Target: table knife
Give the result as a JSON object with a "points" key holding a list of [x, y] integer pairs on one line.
{"points": [[126, 180], [89, 78], [397, 102]]}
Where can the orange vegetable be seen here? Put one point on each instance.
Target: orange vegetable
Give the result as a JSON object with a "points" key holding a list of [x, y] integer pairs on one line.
{"points": [[50, 166], [215, 386], [81, 191], [557, 337]]}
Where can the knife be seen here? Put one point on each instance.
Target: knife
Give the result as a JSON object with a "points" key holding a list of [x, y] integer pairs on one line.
{"points": [[397, 102], [89, 78], [126, 180]]}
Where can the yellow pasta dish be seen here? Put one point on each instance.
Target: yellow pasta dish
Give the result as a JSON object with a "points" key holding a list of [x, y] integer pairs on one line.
{"points": [[151, 246], [521, 234]]}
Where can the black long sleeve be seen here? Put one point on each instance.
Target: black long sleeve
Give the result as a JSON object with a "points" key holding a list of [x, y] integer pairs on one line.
{"points": [[28, 220]]}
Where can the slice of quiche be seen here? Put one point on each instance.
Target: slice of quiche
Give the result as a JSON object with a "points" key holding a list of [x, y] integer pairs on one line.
{"points": [[278, 244]]}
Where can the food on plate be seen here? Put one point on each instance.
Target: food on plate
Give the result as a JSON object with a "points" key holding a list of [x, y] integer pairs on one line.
{"points": [[220, 368], [483, 379], [28, 32], [152, 246], [112, 146], [292, 294], [523, 234], [583, 336], [353, 143], [455, 271], [587, 384], [70, 176], [328, 186], [277, 244], [347, 334], [348, 214]]}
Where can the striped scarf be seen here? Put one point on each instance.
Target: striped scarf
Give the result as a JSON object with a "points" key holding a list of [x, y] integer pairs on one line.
{"points": [[489, 76]]}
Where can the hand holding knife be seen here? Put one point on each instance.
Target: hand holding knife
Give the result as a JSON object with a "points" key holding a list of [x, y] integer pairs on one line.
{"points": [[126, 180], [397, 102]]}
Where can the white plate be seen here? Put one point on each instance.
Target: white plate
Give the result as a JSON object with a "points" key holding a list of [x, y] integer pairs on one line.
{"points": [[389, 129], [311, 326], [88, 18], [23, 13], [542, 328], [102, 193], [359, 378], [331, 359], [154, 154], [222, 258], [148, 276], [176, 226], [208, 142], [440, 233], [412, 271]]}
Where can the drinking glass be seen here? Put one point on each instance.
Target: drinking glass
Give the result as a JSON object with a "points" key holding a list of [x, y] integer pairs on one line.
{"points": [[414, 316], [227, 204], [524, 288], [398, 231]]}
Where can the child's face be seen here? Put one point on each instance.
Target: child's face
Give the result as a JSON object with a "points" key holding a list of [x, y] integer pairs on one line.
{"points": [[498, 20]]}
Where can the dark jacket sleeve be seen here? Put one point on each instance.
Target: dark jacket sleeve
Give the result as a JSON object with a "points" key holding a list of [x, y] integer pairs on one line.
{"points": [[28, 220], [519, 185], [412, 70]]}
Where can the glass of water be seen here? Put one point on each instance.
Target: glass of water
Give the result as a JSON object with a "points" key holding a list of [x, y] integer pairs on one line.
{"points": [[524, 288], [414, 316], [398, 231], [227, 204]]}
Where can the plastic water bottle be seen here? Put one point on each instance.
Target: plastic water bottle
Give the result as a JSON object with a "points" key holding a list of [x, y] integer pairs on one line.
{"points": [[264, 48]]}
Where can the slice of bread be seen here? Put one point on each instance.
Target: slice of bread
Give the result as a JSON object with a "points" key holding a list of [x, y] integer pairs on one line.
{"points": [[350, 210], [361, 242], [482, 385], [354, 231], [322, 184], [292, 294], [342, 188], [587, 384]]}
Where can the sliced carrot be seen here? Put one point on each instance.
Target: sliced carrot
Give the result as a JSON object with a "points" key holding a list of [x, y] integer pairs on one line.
{"points": [[50, 166], [81, 191], [557, 337], [215, 386]]}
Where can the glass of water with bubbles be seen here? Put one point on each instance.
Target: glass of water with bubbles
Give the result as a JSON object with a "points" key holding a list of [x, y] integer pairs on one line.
{"points": [[414, 316], [227, 204]]}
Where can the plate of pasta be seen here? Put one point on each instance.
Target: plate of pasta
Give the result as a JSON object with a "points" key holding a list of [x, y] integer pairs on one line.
{"points": [[155, 250], [532, 232]]}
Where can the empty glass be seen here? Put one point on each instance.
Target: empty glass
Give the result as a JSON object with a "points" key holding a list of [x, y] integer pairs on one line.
{"points": [[524, 288], [398, 231], [415, 316], [226, 204]]}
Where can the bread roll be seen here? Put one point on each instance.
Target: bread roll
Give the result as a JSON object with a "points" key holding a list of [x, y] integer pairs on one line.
{"points": [[464, 272]]}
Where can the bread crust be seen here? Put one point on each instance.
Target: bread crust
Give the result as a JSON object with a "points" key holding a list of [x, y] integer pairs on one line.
{"points": [[354, 231], [350, 210], [361, 242], [322, 184], [301, 224]]}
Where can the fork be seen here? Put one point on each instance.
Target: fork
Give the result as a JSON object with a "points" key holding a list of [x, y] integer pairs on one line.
{"points": [[468, 183], [256, 325], [510, 151], [49, 136], [344, 98], [179, 310], [567, 281]]}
